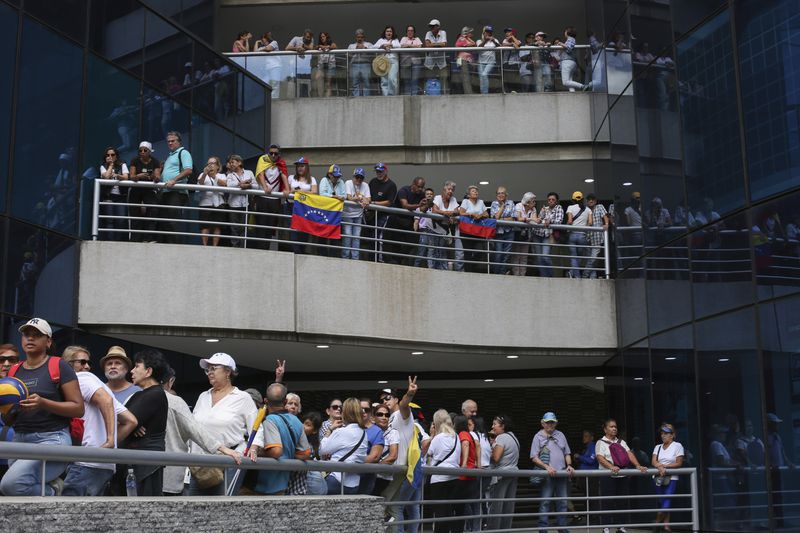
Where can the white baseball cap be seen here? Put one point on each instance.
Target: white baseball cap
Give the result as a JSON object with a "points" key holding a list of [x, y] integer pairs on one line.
{"points": [[434, 22], [40, 324], [145, 144], [219, 358]]}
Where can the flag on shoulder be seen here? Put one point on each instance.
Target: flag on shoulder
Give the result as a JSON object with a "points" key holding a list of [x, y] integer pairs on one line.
{"points": [[317, 215], [485, 227]]}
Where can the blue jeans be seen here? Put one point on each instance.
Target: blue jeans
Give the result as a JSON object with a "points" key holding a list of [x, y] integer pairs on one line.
{"points": [[427, 240], [351, 237], [334, 487], [484, 71], [24, 476], [400, 490], [359, 78], [542, 249], [577, 243], [410, 77], [557, 487], [86, 481], [389, 82], [502, 246]]}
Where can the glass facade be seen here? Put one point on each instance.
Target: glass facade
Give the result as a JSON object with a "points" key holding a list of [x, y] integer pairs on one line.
{"points": [[707, 229], [81, 76]]}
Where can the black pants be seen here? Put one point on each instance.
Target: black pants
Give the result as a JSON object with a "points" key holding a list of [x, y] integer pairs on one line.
{"points": [[447, 490], [237, 231], [475, 250], [170, 228], [266, 209], [148, 199], [615, 486], [406, 240]]}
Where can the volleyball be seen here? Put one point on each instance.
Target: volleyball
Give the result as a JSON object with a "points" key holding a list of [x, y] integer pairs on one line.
{"points": [[12, 391]]}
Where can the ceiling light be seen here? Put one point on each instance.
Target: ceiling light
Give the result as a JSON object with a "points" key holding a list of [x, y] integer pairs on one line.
{"points": [[382, 382], [670, 358], [627, 184], [599, 377], [512, 357], [589, 180], [212, 340], [724, 359], [322, 346], [489, 380], [638, 379], [483, 183], [417, 353]]}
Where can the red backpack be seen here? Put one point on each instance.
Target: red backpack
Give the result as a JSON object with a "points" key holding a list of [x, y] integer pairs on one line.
{"points": [[619, 456], [75, 424]]}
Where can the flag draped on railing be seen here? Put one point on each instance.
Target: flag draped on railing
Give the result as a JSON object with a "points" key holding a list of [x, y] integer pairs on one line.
{"points": [[485, 227], [317, 215]]}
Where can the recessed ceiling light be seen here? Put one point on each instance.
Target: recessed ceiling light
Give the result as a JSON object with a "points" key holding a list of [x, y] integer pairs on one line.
{"points": [[212, 340], [489, 380], [322, 346], [724, 359], [417, 353], [599, 377], [382, 382], [670, 358], [638, 379], [589, 180], [483, 183], [627, 184], [512, 357]]}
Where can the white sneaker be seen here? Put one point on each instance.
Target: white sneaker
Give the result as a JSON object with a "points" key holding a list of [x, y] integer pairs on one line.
{"points": [[606, 530], [622, 530]]}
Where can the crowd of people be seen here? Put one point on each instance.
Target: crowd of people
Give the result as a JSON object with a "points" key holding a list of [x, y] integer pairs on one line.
{"points": [[528, 61], [413, 239], [69, 405]]}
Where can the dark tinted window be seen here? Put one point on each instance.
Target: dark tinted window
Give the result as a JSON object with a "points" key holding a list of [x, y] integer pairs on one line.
{"points": [[117, 32], [166, 52], [68, 16], [40, 273], [8, 40], [711, 142], [688, 13], [47, 129], [775, 236]]}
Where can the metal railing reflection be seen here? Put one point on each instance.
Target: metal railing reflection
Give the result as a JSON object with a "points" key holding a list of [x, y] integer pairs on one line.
{"points": [[454, 70], [381, 236]]}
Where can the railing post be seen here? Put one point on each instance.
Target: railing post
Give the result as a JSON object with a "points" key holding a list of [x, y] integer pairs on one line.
{"points": [[347, 75], [375, 233], [246, 218], [586, 479], [502, 76], [695, 501], [44, 469], [95, 209], [607, 251]]}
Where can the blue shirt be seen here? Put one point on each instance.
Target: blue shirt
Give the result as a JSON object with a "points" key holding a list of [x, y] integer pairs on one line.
{"points": [[176, 162], [326, 188], [272, 481], [588, 460], [374, 437]]}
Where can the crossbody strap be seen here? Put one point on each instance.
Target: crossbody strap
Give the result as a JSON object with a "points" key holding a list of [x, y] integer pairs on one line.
{"points": [[449, 453], [291, 433], [351, 452]]}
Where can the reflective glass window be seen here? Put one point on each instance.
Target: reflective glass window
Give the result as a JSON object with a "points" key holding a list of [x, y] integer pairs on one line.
{"points": [[669, 297], [709, 114], [161, 114], [730, 418], [40, 273], [775, 236], [68, 16], [252, 117], [721, 264], [214, 86], [209, 139], [769, 52], [8, 49], [639, 428], [780, 340], [167, 50], [686, 14], [631, 303], [47, 129], [249, 152], [116, 32]]}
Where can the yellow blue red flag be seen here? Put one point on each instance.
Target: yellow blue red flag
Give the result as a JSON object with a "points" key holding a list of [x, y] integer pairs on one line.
{"points": [[317, 215]]}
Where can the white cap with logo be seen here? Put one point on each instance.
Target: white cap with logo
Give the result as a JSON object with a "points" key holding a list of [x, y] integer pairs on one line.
{"points": [[219, 358], [40, 324]]}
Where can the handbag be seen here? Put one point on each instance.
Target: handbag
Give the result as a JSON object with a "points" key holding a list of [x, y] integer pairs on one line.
{"points": [[661, 481], [207, 476]]}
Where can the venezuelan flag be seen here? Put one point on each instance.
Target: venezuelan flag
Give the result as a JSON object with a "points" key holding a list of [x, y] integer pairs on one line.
{"points": [[485, 227], [317, 215]]}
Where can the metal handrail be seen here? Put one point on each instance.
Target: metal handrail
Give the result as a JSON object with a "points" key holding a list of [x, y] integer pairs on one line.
{"points": [[421, 50]]}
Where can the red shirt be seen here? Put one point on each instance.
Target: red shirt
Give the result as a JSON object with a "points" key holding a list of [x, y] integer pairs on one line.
{"points": [[464, 436]]}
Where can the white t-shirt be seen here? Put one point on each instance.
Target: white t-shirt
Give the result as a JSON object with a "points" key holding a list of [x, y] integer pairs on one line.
{"points": [[405, 431], [439, 454], [380, 43], [353, 211], [438, 201], [228, 420], [478, 208], [487, 58], [669, 454], [486, 449], [339, 443], [94, 428], [604, 450], [390, 437], [115, 188], [583, 219], [304, 186], [234, 181]]}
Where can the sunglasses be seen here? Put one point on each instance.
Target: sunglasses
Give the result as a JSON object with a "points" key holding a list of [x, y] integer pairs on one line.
{"points": [[211, 368], [82, 362], [385, 399], [9, 359], [112, 155], [381, 414], [143, 150], [365, 410], [336, 407], [273, 154]]}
